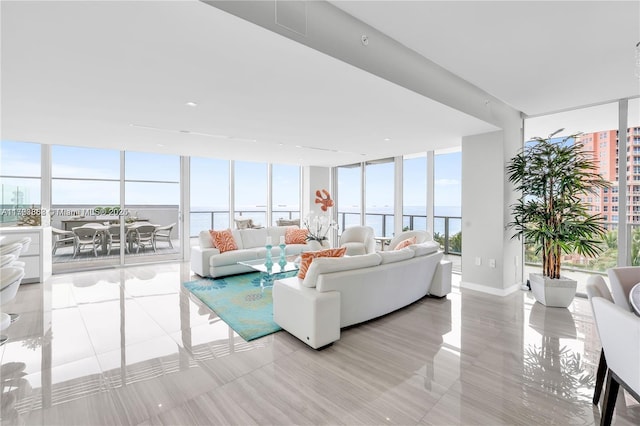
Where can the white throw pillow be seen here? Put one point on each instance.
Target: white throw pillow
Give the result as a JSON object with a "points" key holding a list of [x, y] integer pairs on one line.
{"points": [[325, 265], [396, 255], [204, 238], [425, 248]]}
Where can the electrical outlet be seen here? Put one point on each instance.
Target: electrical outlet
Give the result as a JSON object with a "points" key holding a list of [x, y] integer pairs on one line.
{"points": [[492, 263], [478, 261]]}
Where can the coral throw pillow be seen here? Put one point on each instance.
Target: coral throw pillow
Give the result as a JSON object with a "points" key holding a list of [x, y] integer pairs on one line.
{"points": [[223, 240], [295, 236], [405, 243], [307, 258]]}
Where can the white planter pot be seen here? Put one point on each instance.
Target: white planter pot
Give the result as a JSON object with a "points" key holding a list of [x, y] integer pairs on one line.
{"points": [[556, 292]]}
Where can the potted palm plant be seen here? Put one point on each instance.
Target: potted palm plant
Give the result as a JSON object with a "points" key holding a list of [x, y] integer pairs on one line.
{"points": [[551, 176]]}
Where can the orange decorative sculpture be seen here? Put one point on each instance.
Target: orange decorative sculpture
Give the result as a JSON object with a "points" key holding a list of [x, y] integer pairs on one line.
{"points": [[324, 198]]}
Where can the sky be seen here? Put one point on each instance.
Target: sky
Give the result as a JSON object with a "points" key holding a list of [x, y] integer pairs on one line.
{"points": [[91, 176]]}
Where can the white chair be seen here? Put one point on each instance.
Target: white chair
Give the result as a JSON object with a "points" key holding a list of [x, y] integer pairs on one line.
{"points": [[622, 279], [10, 278], [358, 240], [144, 236], [163, 233], [114, 238], [86, 237], [421, 237], [596, 287], [61, 238], [619, 332]]}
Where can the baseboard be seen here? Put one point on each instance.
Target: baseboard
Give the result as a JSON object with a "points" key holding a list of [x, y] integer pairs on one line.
{"points": [[491, 290]]}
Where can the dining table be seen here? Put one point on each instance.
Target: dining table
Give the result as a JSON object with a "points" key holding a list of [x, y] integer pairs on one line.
{"points": [[634, 298]]}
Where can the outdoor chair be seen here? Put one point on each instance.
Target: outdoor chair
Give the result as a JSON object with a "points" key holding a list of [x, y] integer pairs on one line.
{"points": [[114, 239], [163, 233], [86, 237], [61, 238], [144, 236]]}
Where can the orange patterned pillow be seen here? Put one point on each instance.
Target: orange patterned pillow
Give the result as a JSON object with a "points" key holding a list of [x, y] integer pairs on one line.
{"points": [[307, 258], [295, 236], [405, 243], [223, 240]]}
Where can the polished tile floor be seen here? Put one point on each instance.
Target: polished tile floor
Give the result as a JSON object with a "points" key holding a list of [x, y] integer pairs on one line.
{"points": [[130, 346]]}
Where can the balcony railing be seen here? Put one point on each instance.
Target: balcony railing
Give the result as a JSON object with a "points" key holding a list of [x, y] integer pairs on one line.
{"points": [[447, 229], [219, 219]]}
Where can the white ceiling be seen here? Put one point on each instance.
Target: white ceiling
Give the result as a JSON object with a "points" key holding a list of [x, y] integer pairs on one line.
{"points": [[81, 73]]}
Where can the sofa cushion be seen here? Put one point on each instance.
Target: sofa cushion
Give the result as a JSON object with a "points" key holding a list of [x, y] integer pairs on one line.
{"points": [[425, 248], [307, 258], [224, 240], [295, 236], [328, 265], [288, 222], [354, 248], [205, 239], [396, 255], [405, 243], [252, 238], [232, 257]]}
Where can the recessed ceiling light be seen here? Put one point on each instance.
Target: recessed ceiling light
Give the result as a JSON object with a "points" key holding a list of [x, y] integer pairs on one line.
{"points": [[191, 104], [159, 144], [387, 139]]}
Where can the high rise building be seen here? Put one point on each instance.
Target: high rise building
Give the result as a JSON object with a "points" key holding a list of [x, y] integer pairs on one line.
{"points": [[604, 146]]}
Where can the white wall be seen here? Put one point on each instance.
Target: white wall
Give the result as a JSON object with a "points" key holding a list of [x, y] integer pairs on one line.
{"points": [[486, 197]]}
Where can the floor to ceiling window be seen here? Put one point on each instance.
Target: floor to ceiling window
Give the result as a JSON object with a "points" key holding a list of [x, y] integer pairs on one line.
{"points": [[20, 182], [414, 192], [152, 206], [83, 181], [250, 183], [599, 135], [379, 196], [285, 192], [447, 193], [349, 197], [209, 194]]}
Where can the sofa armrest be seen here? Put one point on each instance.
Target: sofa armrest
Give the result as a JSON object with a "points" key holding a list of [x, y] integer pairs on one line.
{"points": [[200, 260], [441, 284], [309, 315]]}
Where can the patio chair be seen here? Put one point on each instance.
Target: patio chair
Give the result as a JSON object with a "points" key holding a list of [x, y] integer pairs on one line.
{"points": [[114, 239], [86, 237], [61, 238], [144, 236], [163, 233]]}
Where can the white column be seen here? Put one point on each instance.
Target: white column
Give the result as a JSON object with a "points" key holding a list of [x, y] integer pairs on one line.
{"points": [[624, 255], [45, 183], [430, 188], [184, 215], [232, 194], [398, 205]]}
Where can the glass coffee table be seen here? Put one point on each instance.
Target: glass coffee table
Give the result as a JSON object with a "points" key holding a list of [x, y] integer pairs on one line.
{"points": [[267, 275]]}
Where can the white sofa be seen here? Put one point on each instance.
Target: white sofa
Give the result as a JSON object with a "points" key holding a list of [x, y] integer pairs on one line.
{"points": [[339, 292], [207, 261]]}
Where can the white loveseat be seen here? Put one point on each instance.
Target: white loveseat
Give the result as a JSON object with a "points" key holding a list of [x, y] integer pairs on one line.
{"points": [[339, 292], [207, 261]]}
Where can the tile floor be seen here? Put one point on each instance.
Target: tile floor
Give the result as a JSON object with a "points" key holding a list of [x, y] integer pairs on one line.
{"points": [[130, 346]]}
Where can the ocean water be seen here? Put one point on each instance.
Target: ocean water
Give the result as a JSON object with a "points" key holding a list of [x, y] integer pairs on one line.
{"points": [[202, 221]]}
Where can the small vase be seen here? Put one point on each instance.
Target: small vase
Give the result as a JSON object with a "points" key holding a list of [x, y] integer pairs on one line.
{"points": [[283, 260], [268, 261], [314, 245]]}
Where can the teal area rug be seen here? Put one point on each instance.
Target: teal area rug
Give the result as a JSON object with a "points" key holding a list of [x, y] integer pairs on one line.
{"points": [[240, 302]]}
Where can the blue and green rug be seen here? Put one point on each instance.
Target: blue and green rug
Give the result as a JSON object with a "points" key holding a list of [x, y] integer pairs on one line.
{"points": [[240, 302]]}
